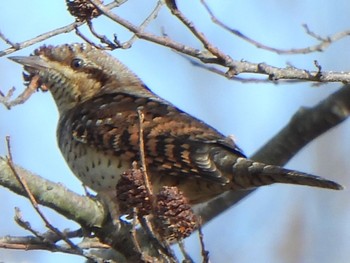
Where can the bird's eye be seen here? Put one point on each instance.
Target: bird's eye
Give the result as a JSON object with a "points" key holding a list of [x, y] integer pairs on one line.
{"points": [[77, 63]]}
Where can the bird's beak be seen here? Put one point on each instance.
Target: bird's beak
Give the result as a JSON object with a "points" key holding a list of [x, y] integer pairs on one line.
{"points": [[34, 62]]}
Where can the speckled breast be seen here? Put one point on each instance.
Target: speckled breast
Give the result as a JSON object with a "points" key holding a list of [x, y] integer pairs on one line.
{"points": [[98, 170]]}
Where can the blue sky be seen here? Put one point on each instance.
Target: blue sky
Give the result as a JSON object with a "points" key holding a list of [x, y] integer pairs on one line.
{"points": [[269, 225]]}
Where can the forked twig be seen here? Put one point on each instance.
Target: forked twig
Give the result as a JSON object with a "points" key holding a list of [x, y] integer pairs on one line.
{"points": [[325, 42], [65, 29], [23, 97], [25, 224], [199, 35], [144, 24], [103, 39]]}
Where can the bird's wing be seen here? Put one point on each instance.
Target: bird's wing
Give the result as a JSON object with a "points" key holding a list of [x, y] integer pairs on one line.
{"points": [[175, 143]]}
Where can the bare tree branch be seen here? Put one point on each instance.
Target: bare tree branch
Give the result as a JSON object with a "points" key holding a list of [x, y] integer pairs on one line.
{"points": [[40, 38], [325, 42], [214, 51], [35, 243], [212, 55], [144, 24], [32, 199], [209, 55], [83, 210]]}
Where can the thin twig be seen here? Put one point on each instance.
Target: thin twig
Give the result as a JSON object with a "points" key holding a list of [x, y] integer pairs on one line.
{"points": [[143, 159], [163, 41], [40, 38], [103, 39], [144, 24], [8, 41], [32, 199], [35, 243], [187, 257], [4, 99], [204, 252], [133, 232], [52, 33], [324, 42], [312, 33], [163, 247], [200, 36], [23, 97], [82, 36], [48, 236], [25, 224]]}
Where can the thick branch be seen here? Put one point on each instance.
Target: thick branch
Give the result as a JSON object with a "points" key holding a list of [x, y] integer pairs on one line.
{"points": [[85, 211]]}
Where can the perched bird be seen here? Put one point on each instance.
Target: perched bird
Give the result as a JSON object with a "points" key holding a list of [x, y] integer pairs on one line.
{"points": [[98, 99]]}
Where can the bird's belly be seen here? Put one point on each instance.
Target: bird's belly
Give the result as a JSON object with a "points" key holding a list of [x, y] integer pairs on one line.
{"points": [[97, 170]]}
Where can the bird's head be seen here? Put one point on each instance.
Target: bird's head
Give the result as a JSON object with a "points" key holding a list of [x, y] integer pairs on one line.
{"points": [[77, 72]]}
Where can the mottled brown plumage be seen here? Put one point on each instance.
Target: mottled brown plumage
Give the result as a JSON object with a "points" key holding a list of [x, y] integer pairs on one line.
{"points": [[98, 99]]}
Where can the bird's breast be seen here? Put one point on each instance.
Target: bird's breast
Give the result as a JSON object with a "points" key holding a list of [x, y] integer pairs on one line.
{"points": [[98, 170]]}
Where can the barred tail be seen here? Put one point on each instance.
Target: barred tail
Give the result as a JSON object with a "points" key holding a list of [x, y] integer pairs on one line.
{"points": [[250, 174]]}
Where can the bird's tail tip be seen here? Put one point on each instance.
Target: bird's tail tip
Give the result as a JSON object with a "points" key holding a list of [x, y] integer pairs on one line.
{"points": [[336, 186], [254, 174]]}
